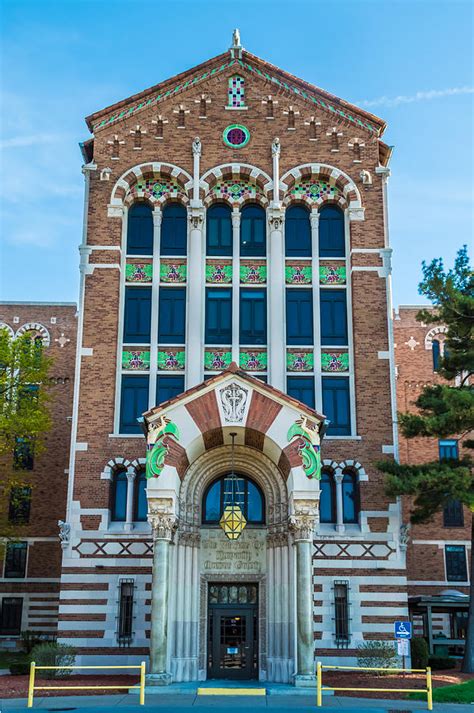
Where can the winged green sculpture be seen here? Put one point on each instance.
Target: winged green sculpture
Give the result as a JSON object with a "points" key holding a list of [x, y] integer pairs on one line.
{"points": [[157, 450], [308, 446]]}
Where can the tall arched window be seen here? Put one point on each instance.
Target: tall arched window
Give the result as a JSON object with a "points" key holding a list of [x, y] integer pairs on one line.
{"points": [[140, 506], [140, 230], [253, 241], [119, 496], [327, 500], [331, 232], [174, 230], [246, 493], [436, 354], [219, 230], [297, 232], [350, 497]]}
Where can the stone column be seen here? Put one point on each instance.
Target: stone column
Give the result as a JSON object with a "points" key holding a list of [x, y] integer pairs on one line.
{"points": [[314, 218], [157, 219], [276, 297], [235, 285], [302, 525], [195, 278], [163, 523], [338, 477], [129, 512]]}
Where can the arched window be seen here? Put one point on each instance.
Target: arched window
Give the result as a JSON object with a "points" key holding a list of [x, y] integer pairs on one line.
{"points": [[436, 354], [331, 232], [140, 506], [297, 232], [174, 230], [252, 231], [140, 230], [119, 496], [246, 493], [219, 230], [350, 497], [327, 500]]}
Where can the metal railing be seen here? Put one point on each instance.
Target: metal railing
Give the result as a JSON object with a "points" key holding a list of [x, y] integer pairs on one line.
{"points": [[319, 681], [32, 688]]}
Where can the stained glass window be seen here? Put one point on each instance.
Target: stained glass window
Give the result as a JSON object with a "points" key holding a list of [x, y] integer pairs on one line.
{"points": [[236, 92]]}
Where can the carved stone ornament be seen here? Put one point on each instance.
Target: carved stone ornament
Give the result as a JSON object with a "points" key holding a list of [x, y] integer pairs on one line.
{"points": [[276, 147], [196, 218], [161, 518], [64, 533], [404, 535], [233, 401], [275, 218], [197, 146], [302, 522]]}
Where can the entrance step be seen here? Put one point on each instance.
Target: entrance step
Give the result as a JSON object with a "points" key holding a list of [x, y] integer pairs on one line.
{"points": [[229, 691]]}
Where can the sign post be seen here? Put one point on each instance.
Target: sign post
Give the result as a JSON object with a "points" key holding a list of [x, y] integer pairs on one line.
{"points": [[403, 636]]}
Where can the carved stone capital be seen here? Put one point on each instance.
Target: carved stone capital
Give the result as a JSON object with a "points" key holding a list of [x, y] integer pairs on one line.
{"points": [[162, 519], [356, 214], [189, 537], [197, 146], [157, 217], [196, 218], [303, 520], [276, 217], [314, 219]]}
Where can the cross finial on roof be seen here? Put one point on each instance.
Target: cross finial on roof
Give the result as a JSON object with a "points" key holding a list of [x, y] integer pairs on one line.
{"points": [[236, 48]]}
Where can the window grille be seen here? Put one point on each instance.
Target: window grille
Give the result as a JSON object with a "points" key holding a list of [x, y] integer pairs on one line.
{"points": [[125, 612], [341, 613]]}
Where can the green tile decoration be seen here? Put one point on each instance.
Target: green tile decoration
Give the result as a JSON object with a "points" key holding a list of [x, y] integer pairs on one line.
{"points": [[137, 360], [332, 275], [253, 274], [335, 362], [256, 360], [233, 190], [298, 274], [218, 273], [217, 359], [138, 272], [155, 188], [299, 360], [173, 272], [315, 190], [171, 359]]}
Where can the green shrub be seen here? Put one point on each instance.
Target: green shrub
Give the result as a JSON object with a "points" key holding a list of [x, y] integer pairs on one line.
{"points": [[377, 654], [419, 652], [52, 654], [19, 669], [438, 663], [30, 639]]}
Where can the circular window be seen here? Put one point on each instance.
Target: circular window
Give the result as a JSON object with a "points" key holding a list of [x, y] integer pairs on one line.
{"points": [[236, 136]]}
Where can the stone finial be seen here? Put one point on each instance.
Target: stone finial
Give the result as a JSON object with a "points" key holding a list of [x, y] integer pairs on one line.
{"points": [[276, 147], [236, 39]]}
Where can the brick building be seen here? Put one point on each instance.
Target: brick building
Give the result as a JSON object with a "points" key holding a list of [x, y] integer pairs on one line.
{"points": [[439, 552], [31, 567]]}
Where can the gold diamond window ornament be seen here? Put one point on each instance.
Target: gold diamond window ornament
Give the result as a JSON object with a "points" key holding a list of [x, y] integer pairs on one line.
{"points": [[233, 522]]}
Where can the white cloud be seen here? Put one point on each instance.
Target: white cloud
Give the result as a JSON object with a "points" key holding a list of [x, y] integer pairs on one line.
{"points": [[419, 96], [32, 140]]}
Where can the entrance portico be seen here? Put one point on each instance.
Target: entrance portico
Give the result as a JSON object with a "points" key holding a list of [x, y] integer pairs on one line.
{"points": [[232, 608]]}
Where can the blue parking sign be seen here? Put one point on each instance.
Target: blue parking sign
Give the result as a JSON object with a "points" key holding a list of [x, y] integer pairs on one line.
{"points": [[403, 629]]}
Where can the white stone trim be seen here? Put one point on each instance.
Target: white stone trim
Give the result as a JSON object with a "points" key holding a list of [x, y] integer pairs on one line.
{"points": [[440, 329], [35, 327]]}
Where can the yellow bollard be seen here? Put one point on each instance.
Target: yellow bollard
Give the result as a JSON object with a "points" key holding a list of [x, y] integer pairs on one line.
{"points": [[429, 689], [31, 685], [142, 684], [319, 683]]}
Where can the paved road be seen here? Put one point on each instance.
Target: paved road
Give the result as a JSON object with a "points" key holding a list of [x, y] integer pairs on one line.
{"points": [[186, 703]]}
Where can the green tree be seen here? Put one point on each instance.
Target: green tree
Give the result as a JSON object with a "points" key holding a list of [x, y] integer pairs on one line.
{"points": [[24, 420], [444, 410]]}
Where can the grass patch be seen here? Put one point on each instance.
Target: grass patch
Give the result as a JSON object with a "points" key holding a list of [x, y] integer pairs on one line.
{"points": [[459, 693], [9, 657]]}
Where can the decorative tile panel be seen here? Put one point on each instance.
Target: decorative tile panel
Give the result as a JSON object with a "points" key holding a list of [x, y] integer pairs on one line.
{"points": [[114, 548], [219, 272], [138, 272], [236, 92], [237, 191], [156, 188], [172, 359], [253, 272], [335, 362], [315, 190], [253, 360], [172, 271], [298, 273], [217, 359], [299, 360], [136, 360], [332, 275], [354, 550]]}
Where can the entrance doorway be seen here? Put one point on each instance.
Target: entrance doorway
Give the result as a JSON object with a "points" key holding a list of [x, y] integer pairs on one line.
{"points": [[233, 631]]}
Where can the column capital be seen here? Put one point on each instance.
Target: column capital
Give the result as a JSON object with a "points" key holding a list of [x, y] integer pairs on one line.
{"points": [[338, 477], [383, 171], [303, 521], [235, 218], [357, 213], [314, 218], [157, 217], [162, 519], [196, 216], [276, 216], [131, 475]]}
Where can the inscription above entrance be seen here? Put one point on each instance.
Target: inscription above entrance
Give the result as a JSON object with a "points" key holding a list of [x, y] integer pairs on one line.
{"points": [[246, 555]]}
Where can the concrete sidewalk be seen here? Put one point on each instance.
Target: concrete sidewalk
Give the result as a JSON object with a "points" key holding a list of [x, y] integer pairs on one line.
{"points": [[185, 702]]}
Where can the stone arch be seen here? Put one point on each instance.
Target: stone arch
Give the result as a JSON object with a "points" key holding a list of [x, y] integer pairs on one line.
{"points": [[354, 465], [9, 329], [235, 184], [434, 332], [318, 183], [112, 466], [142, 182], [211, 464], [38, 329]]}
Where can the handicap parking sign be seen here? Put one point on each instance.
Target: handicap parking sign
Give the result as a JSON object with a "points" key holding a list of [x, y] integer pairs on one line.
{"points": [[403, 629]]}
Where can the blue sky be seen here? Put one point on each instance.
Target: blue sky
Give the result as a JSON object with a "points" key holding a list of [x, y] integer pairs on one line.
{"points": [[410, 62]]}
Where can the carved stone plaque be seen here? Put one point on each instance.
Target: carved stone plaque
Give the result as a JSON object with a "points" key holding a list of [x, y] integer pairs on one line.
{"points": [[247, 555]]}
